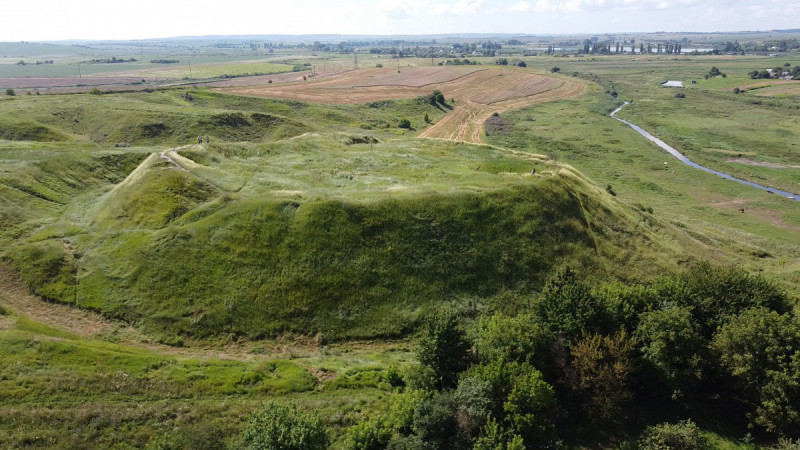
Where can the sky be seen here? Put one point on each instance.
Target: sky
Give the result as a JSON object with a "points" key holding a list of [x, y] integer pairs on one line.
{"points": [[38, 20]]}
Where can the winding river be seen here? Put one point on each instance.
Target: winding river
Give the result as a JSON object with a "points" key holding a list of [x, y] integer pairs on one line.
{"points": [[689, 162]]}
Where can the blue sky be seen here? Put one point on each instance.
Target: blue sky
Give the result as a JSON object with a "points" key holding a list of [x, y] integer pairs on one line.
{"points": [[102, 19]]}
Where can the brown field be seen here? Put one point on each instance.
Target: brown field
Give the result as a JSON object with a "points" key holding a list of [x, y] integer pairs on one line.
{"points": [[62, 84], [478, 92], [770, 88]]}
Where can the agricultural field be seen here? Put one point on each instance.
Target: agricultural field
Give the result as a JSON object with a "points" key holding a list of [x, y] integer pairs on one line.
{"points": [[474, 94], [157, 291]]}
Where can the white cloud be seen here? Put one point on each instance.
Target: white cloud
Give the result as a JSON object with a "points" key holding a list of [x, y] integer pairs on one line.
{"points": [[521, 7], [56, 19]]}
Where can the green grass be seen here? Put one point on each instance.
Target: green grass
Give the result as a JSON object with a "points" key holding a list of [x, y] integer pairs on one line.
{"points": [[579, 132], [62, 391]]}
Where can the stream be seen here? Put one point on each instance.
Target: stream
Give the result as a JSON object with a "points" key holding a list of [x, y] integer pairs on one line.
{"points": [[689, 162]]}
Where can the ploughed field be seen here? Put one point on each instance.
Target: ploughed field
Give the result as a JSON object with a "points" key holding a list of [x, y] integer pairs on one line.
{"points": [[474, 93]]}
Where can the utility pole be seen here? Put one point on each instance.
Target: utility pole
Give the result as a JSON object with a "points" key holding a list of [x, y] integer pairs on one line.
{"points": [[190, 69]]}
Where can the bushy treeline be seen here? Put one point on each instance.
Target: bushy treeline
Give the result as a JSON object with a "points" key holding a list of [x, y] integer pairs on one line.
{"points": [[590, 362]]}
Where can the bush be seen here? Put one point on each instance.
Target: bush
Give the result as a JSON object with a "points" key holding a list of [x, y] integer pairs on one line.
{"points": [[368, 435], [404, 123], [509, 338], [683, 435], [435, 422], [402, 408], [283, 427], [555, 69], [10, 92], [680, 95], [436, 98], [94, 91], [473, 397]]}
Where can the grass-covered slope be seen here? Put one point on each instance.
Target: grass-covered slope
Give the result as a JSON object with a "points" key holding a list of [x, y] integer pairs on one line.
{"points": [[319, 234], [346, 268]]}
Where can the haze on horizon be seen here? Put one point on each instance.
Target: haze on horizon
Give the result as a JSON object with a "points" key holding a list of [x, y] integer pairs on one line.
{"points": [[40, 20]]}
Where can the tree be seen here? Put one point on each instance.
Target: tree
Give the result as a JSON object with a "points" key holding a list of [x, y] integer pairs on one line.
{"points": [[427, 119], [443, 347], [716, 294], [569, 308], [760, 350], [436, 98], [672, 346], [10, 92], [528, 406], [285, 428], [495, 438], [602, 367]]}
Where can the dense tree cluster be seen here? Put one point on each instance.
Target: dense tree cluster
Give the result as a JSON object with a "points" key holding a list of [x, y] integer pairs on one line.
{"points": [[582, 360]]}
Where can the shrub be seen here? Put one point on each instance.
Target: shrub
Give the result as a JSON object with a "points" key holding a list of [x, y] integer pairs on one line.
{"points": [[473, 397], [404, 123], [95, 91], [402, 408], [282, 427], [10, 92], [555, 69], [368, 435], [736, 90], [435, 422], [509, 338], [680, 95], [684, 435]]}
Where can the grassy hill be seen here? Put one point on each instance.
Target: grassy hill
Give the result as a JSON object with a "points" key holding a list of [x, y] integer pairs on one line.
{"points": [[348, 232]]}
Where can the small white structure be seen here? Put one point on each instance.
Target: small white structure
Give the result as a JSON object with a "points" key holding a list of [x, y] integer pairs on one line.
{"points": [[672, 83]]}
